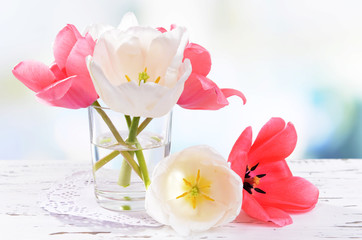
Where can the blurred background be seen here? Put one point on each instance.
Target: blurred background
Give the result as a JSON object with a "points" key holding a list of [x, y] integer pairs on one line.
{"points": [[299, 60]]}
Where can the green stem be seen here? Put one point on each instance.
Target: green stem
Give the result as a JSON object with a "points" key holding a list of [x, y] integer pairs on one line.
{"points": [[139, 153], [124, 177], [132, 163], [143, 165], [141, 170], [133, 130], [129, 121], [128, 157], [103, 161], [132, 139], [109, 123], [143, 125]]}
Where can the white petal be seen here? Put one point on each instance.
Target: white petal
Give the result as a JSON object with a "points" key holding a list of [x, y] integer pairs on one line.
{"points": [[121, 55], [165, 104], [128, 20], [225, 189], [105, 56], [129, 58], [154, 208], [96, 30], [206, 216], [145, 35], [106, 91], [162, 53], [172, 71]]}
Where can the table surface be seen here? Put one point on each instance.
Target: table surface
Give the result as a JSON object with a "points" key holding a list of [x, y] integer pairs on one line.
{"points": [[338, 214]]}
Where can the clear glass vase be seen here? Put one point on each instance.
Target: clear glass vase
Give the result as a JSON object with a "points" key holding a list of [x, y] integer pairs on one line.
{"points": [[125, 151]]}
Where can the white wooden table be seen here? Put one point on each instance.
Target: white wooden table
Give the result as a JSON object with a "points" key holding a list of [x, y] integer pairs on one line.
{"points": [[338, 215]]}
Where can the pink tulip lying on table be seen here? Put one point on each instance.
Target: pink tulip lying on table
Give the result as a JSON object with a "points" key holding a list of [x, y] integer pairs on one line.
{"points": [[270, 189]]}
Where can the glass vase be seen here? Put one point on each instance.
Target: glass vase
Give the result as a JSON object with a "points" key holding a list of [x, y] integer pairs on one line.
{"points": [[125, 151]]}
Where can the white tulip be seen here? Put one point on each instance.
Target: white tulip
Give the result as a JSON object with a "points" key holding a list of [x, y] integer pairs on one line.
{"points": [[139, 70], [194, 190]]}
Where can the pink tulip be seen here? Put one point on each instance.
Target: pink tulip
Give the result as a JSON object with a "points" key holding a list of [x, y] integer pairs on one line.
{"points": [[199, 91], [270, 189], [66, 83]]}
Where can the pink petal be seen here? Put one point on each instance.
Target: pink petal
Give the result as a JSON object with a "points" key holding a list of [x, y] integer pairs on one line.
{"points": [[64, 43], [274, 142], [76, 63], [68, 93], [228, 92], [274, 172], [201, 93], [161, 29], [238, 155], [271, 128], [58, 73], [200, 58], [56, 91], [278, 217], [252, 208], [293, 194], [266, 214], [173, 26], [35, 75]]}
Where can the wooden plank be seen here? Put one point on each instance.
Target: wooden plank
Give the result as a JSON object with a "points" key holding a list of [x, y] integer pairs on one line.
{"points": [[338, 214]]}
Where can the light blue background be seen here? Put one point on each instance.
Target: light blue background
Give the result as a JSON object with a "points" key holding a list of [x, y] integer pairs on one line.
{"points": [[299, 60]]}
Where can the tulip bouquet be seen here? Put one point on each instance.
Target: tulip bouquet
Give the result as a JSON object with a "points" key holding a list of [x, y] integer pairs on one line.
{"points": [[142, 72]]}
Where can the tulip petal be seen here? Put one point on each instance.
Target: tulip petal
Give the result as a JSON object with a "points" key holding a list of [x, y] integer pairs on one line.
{"points": [[200, 58], [128, 20], [161, 29], [172, 72], [35, 75], [58, 73], [105, 53], [274, 142], [163, 56], [146, 100], [106, 91], [278, 217], [167, 184], [238, 155], [201, 93], [56, 91], [271, 128], [293, 194], [76, 61], [252, 208], [274, 172], [67, 93], [202, 218], [96, 30], [64, 43], [228, 92], [266, 214]]}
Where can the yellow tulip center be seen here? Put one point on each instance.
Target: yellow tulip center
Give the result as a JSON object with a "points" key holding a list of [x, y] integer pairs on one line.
{"points": [[143, 77], [252, 180], [196, 191]]}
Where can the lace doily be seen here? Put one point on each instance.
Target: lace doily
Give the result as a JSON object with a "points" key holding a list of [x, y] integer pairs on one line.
{"points": [[74, 197]]}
